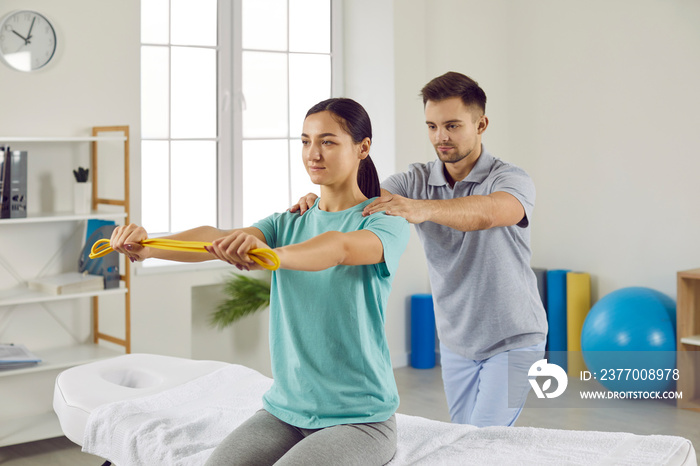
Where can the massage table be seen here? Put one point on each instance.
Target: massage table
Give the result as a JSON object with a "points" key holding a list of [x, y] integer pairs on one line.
{"points": [[144, 409]]}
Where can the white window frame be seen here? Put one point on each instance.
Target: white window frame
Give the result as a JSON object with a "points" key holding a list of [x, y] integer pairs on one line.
{"points": [[231, 102], [222, 50], [231, 188]]}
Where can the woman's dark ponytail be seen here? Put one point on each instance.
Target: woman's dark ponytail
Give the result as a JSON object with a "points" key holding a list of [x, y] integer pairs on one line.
{"points": [[355, 121], [368, 179]]}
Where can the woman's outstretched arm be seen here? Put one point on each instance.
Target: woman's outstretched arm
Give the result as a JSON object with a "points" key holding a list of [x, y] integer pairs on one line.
{"points": [[324, 251], [332, 248], [126, 240]]}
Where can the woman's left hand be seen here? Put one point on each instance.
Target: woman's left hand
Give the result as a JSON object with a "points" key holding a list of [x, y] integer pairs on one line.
{"points": [[233, 248]]}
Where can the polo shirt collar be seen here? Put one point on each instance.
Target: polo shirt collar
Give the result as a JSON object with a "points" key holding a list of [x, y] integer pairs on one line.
{"points": [[479, 173]]}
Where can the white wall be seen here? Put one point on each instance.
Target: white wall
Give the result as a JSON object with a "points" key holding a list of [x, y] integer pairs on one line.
{"points": [[598, 101], [92, 81], [371, 79], [368, 55], [613, 142]]}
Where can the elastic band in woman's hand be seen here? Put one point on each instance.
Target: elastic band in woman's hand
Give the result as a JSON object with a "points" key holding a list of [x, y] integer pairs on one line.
{"points": [[266, 258]]}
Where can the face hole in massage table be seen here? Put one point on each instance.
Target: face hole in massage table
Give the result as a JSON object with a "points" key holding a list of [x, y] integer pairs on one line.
{"points": [[132, 378]]}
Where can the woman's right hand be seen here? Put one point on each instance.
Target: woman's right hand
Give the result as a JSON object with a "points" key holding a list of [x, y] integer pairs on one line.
{"points": [[304, 204], [126, 240], [234, 247]]}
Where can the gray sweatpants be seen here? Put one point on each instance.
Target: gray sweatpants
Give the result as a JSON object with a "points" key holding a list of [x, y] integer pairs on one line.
{"points": [[263, 439]]}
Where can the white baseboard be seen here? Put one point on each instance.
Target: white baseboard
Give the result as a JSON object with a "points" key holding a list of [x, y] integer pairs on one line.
{"points": [[404, 360], [400, 360]]}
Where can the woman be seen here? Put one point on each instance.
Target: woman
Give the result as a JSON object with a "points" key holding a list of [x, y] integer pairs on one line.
{"points": [[334, 396]]}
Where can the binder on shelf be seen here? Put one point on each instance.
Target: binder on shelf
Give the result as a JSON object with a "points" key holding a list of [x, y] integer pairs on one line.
{"points": [[16, 356], [66, 283], [107, 266], [3, 168], [13, 183], [93, 224]]}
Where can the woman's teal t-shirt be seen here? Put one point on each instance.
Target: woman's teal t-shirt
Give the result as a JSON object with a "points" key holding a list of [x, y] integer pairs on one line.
{"points": [[330, 358]]}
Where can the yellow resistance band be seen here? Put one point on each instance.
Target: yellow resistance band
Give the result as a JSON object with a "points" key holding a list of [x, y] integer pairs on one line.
{"points": [[102, 248]]}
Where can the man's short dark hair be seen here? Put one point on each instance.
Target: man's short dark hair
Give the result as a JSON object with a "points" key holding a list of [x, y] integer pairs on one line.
{"points": [[453, 84]]}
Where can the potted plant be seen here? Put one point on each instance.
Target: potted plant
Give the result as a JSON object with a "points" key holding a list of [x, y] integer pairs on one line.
{"points": [[246, 295]]}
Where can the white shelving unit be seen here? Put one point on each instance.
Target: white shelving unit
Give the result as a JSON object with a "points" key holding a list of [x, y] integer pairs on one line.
{"points": [[694, 340], [63, 217], [29, 415], [64, 357], [62, 139]]}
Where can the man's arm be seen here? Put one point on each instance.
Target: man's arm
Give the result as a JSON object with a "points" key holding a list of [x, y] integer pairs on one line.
{"points": [[470, 213]]}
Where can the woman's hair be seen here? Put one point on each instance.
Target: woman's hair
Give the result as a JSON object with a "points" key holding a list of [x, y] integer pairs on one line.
{"points": [[355, 121], [453, 84]]}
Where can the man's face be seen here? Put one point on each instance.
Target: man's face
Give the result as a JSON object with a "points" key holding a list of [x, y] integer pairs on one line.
{"points": [[454, 129]]}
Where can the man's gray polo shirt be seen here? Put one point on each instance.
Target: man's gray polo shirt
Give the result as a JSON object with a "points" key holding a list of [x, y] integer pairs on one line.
{"points": [[485, 293]]}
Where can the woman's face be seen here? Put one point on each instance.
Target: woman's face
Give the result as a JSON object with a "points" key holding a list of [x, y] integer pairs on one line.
{"points": [[330, 156]]}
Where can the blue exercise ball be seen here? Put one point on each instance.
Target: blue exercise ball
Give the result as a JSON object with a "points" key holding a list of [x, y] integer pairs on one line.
{"points": [[627, 335]]}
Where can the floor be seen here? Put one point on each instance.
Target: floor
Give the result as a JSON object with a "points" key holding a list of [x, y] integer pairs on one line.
{"points": [[422, 395]]}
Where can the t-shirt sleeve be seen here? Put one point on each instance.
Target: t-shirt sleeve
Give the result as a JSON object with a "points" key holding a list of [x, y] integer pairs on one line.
{"points": [[517, 182], [393, 232], [268, 226], [397, 184]]}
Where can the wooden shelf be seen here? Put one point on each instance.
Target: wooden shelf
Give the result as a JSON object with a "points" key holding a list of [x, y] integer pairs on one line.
{"points": [[692, 274], [688, 334]]}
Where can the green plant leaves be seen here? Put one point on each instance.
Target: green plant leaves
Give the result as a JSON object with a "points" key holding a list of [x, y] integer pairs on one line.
{"points": [[246, 296]]}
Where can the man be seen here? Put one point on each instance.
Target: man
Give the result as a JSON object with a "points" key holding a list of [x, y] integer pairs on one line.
{"points": [[472, 214]]}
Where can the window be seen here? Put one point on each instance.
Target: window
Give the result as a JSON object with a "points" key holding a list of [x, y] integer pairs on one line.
{"points": [[224, 90], [286, 68], [178, 114]]}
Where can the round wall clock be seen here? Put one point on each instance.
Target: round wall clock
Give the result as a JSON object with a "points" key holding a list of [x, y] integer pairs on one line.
{"points": [[27, 40]]}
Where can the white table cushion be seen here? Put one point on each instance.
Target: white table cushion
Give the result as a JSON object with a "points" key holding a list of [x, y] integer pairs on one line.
{"points": [[81, 389]]}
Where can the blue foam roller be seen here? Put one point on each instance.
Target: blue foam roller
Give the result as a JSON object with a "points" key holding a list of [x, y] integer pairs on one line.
{"points": [[556, 314], [422, 331]]}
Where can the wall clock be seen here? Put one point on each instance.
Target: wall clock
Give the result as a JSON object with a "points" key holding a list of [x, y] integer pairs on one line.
{"points": [[27, 40]]}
